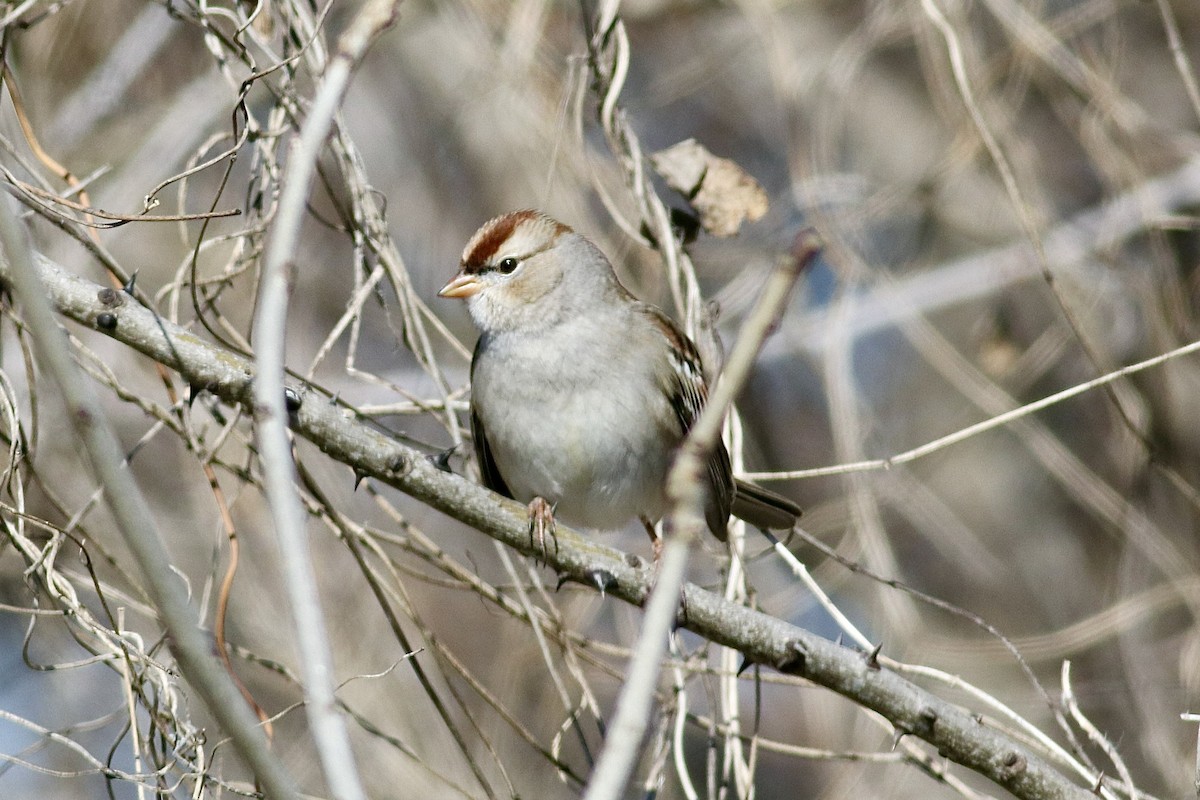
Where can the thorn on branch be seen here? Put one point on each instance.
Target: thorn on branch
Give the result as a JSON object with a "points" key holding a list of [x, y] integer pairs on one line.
{"points": [[872, 658], [441, 461], [602, 579], [794, 661], [194, 390]]}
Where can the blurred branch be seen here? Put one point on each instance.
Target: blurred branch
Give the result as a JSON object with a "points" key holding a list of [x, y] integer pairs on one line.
{"points": [[115, 220], [271, 414], [762, 639], [1069, 246], [686, 494], [988, 424], [191, 646], [1094, 734], [109, 84]]}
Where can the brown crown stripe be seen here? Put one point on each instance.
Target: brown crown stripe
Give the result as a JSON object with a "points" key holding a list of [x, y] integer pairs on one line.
{"points": [[485, 244]]}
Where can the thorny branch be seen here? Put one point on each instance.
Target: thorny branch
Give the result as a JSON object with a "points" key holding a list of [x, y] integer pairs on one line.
{"points": [[760, 638], [480, 99]]}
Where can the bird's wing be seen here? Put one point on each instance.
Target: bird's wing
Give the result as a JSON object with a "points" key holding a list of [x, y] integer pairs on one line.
{"points": [[688, 392], [489, 472]]}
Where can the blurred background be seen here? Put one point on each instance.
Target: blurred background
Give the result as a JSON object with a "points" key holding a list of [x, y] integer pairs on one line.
{"points": [[1008, 197]]}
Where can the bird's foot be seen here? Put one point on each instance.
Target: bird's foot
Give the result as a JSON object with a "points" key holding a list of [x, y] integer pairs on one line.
{"points": [[656, 542], [656, 545], [541, 525]]}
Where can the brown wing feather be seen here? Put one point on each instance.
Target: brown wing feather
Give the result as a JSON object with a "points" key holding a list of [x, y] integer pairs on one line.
{"points": [[688, 394], [762, 508], [754, 504]]}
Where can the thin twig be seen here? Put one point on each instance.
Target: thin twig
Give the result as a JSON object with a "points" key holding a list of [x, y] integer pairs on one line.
{"points": [[684, 526], [271, 414], [970, 431], [1071, 703], [191, 647], [759, 637]]}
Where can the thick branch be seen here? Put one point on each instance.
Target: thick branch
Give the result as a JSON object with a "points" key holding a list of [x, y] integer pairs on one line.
{"points": [[762, 639]]}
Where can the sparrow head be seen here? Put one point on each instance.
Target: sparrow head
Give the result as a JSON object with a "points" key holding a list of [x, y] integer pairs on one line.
{"points": [[525, 270]]}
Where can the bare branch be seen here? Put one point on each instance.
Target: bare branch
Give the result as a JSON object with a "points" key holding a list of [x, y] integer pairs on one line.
{"points": [[191, 646], [271, 412], [761, 639]]}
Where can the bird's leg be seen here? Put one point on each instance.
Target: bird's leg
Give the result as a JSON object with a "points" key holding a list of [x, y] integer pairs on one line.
{"points": [[656, 542], [541, 522]]}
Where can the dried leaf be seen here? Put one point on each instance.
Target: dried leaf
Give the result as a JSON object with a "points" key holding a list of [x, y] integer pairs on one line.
{"points": [[720, 191]]}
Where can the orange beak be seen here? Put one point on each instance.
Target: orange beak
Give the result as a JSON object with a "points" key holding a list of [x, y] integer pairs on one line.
{"points": [[461, 285]]}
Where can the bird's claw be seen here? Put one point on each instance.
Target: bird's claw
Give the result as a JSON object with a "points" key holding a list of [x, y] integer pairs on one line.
{"points": [[541, 524]]}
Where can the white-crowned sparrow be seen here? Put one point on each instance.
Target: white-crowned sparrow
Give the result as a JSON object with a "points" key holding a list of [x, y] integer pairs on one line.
{"points": [[580, 393]]}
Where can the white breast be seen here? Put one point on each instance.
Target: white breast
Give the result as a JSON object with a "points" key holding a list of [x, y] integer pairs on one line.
{"points": [[557, 430]]}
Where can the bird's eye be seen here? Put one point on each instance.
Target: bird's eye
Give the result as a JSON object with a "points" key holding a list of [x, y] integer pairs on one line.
{"points": [[507, 265]]}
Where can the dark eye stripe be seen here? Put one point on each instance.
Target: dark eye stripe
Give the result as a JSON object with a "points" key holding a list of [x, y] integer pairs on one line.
{"points": [[492, 236], [489, 239]]}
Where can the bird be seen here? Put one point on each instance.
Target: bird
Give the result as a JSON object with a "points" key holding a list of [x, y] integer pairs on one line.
{"points": [[581, 393]]}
